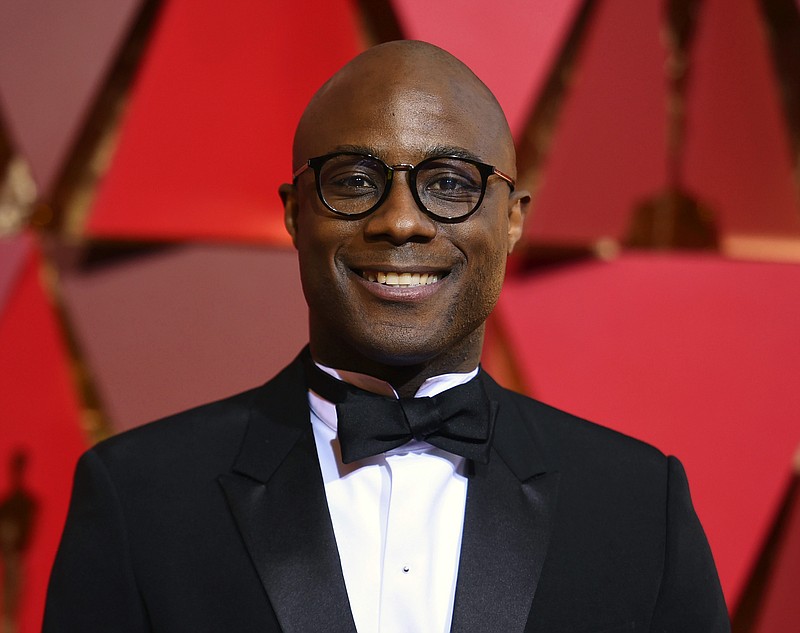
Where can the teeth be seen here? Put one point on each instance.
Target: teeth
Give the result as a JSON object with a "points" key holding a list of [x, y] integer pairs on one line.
{"points": [[403, 280]]}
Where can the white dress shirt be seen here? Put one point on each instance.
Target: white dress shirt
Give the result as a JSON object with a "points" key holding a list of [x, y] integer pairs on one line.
{"points": [[397, 518]]}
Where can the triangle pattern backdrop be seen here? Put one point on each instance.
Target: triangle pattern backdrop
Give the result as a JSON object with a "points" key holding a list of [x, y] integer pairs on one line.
{"points": [[511, 46], [55, 55], [609, 144], [39, 418], [207, 137], [738, 158]]}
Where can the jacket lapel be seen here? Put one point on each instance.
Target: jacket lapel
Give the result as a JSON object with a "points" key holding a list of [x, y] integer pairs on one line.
{"points": [[509, 513], [507, 525], [277, 499]]}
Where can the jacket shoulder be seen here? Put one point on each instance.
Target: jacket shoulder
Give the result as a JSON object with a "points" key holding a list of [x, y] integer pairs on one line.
{"points": [[209, 434], [570, 439]]}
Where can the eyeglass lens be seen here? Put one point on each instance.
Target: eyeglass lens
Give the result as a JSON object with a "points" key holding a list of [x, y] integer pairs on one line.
{"points": [[447, 187]]}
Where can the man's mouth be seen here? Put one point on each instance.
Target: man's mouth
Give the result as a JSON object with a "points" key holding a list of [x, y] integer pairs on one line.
{"points": [[402, 280]]}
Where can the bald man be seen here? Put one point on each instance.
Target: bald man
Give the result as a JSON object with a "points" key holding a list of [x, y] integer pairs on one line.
{"points": [[383, 482]]}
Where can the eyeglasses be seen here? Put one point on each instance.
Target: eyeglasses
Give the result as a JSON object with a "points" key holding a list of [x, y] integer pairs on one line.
{"points": [[447, 188]]}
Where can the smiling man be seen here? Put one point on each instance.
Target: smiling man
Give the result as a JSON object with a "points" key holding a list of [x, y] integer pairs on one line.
{"points": [[383, 482], [454, 218]]}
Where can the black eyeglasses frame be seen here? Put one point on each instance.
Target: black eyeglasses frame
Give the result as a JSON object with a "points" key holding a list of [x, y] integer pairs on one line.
{"points": [[485, 170]]}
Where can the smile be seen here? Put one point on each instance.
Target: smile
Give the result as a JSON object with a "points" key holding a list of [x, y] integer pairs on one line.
{"points": [[402, 280]]}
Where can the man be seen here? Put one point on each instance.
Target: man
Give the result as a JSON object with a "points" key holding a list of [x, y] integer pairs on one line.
{"points": [[312, 504]]}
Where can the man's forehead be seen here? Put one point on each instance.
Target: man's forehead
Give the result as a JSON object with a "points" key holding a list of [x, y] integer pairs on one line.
{"points": [[405, 97]]}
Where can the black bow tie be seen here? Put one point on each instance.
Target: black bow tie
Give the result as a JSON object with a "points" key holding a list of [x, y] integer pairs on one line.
{"points": [[459, 420]]}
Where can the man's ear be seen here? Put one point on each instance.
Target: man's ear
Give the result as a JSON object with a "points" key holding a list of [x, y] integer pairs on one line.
{"points": [[518, 204], [288, 195]]}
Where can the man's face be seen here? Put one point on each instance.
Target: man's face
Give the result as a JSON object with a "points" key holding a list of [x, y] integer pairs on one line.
{"points": [[351, 268]]}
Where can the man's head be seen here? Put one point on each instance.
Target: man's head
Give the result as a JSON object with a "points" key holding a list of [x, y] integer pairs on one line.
{"points": [[402, 102]]}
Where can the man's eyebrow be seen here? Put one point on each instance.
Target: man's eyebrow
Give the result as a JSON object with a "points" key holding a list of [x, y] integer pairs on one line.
{"points": [[451, 150], [356, 149]]}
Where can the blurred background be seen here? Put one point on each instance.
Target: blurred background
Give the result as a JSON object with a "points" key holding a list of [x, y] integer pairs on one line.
{"points": [[144, 267]]}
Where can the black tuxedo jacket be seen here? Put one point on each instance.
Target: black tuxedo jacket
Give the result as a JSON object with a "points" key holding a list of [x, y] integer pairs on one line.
{"points": [[216, 520]]}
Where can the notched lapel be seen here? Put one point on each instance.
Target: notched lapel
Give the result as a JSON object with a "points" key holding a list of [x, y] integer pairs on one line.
{"points": [[277, 499], [507, 526]]}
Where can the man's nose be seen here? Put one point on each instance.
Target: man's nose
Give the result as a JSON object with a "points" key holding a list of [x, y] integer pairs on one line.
{"points": [[399, 219]]}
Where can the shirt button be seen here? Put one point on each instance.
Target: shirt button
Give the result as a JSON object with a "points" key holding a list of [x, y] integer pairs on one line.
{"points": [[406, 570]]}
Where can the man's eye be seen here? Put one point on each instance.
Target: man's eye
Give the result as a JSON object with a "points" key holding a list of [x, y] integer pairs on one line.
{"points": [[350, 185], [352, 182], [356, 181], [448, 183]]}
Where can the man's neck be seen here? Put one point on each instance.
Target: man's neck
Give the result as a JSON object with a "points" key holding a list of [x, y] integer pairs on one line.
{"points": [[406, 379]]}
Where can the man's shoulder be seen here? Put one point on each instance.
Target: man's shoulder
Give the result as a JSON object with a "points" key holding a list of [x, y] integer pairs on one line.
{"points": [[202, 435], [209, 434], [571, 439]]}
